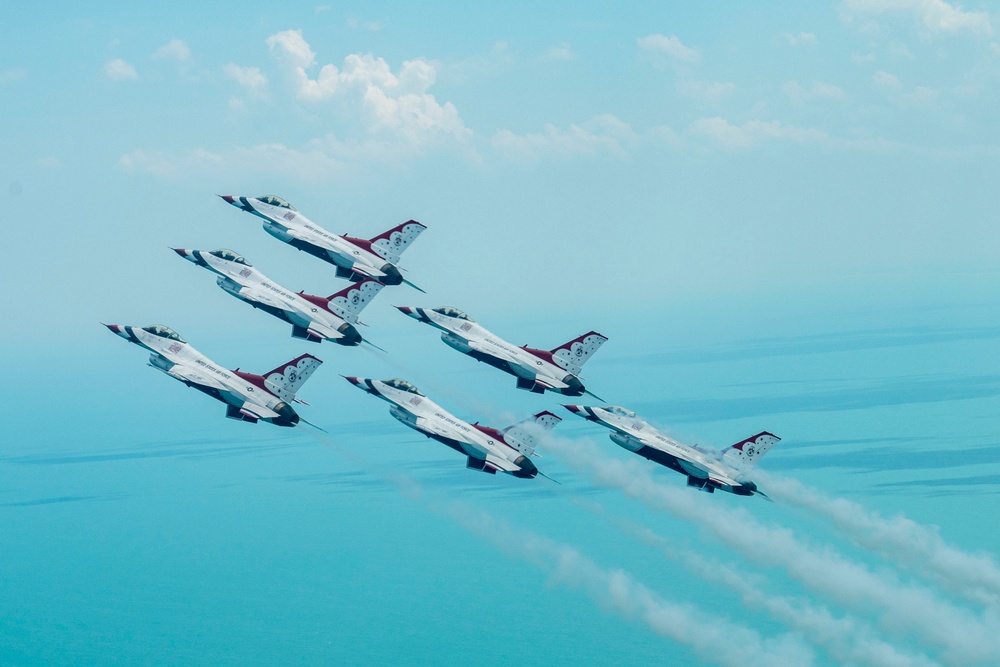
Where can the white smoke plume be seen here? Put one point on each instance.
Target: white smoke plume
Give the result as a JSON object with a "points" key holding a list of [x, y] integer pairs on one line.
{"points": [[906, 543], [713, 638], [960, 636]]}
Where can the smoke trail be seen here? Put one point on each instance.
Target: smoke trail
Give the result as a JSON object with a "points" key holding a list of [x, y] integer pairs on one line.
{"points": [[713, 638], [962, 637], [907, 543], [846, 639]]}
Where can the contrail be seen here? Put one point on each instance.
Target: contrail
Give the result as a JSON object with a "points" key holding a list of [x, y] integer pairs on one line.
{"points": [[962, 637], [714, 638], [903, 541], [846, 639]]}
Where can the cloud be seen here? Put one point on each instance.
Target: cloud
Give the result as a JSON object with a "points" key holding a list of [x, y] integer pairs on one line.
{"points": [[962, 636], [801, 39], [819, 90], [602, 134], [358, 24], [391, 103], [724, 134], [935, 17], [894, 88], [705, 91], [250, 78], [560, 53], [119, 70], [13, 74], [175, 49], [668, 45]]}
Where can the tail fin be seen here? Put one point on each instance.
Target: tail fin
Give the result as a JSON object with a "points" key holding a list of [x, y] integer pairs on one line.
{"points": [[747, 452], [390, 245], [287, 379], [523, 435], [572, 355], [349, 302]]}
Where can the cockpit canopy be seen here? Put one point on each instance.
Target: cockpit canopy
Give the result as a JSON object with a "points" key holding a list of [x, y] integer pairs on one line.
{"points": [[164, 332], [403, 385], [276, 201], [232, 256], [620, 411], [452, 312]]}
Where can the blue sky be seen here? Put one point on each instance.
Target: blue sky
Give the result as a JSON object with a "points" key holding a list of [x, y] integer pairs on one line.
{"points": [[784, 217]]}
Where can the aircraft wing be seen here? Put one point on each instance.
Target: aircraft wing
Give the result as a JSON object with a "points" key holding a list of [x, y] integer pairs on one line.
{"points": [[261, 296], [369, 271], [492, 351], [440, 428], [258, 411], [190, 375]]}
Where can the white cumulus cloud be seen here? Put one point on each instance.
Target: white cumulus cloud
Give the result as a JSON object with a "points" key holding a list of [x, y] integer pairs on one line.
{"points": [[706, 91], [801, 39], [248, 77], [935, 17], [119, 70], [724, 134], [668, 45], [819, 90], [562, 52], [603, 134], [175, 49], [394, 103]]}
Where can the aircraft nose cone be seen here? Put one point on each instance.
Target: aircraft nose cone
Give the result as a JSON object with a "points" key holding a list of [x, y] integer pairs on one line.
{"points": [[356, 381], [183, 252], [117, 329], [575, 409], [228, 198]]}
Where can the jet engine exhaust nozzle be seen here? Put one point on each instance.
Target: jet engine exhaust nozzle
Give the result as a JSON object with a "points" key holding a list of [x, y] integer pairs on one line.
{"points": [[392, 275], [288, 416], [351, 335], [528, 469], [574, 386]]}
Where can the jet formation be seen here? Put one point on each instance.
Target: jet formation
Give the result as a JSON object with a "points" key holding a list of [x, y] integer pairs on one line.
{"points": [[371, 265]]}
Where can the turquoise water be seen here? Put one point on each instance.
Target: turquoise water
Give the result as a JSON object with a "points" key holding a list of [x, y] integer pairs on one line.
{"points": [[140, 527]]}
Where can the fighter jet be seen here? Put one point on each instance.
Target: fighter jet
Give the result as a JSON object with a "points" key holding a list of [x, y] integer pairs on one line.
{"points": [[355, 259], [248, 397], [706, 470], [313, 318], [486, 449], [536, 370]]}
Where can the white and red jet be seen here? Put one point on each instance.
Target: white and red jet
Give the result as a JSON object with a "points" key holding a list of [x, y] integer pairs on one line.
{"points": [[248, 397], [487, 449], [538, 371], [706, 470], [313, 318], [355, 259]]}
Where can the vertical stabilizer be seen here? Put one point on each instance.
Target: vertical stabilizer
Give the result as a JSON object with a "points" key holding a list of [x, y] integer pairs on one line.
{"points": [[572, 355], [747, 452], [523, 435], [350, 301], [286, 380], [390, 245]]}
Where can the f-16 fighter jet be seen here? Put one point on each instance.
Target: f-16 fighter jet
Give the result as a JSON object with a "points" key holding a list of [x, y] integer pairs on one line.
{"points": [[706, 470], [486, 449], [313, 318], [248, 397], [537, 371], [355, 259]]}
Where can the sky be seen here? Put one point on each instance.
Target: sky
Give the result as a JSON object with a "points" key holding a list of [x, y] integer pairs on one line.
{"points": [[784, 217]]}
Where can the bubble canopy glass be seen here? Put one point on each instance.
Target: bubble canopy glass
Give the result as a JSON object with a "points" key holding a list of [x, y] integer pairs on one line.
{"points": [[452, 312], [232, 256], [164, 332], [276, 201], [403, 385]]}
